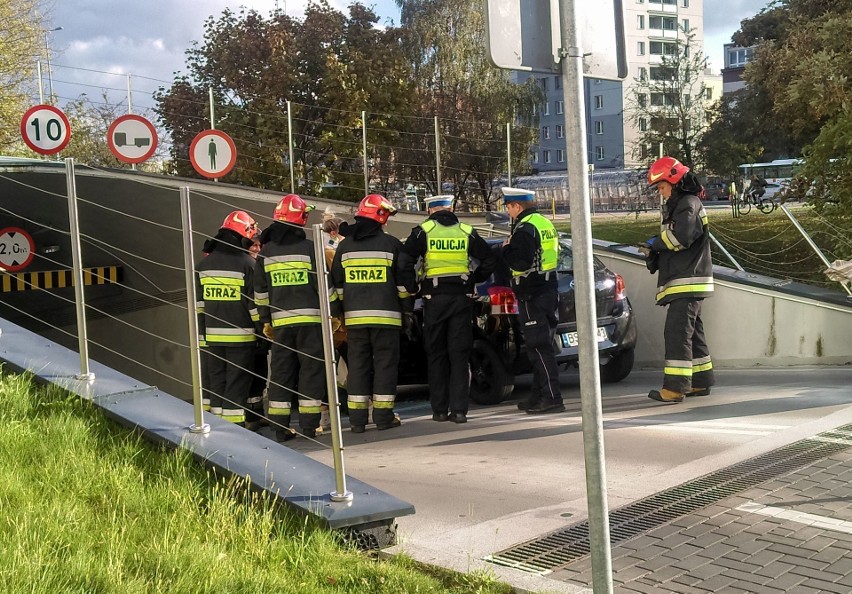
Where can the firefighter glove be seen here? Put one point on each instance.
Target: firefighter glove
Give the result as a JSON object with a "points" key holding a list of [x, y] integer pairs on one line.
{"points": [[268, 332]]}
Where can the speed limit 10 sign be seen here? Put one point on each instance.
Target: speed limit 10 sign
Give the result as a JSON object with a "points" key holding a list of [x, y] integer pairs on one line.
{"points": [[45, 129]]}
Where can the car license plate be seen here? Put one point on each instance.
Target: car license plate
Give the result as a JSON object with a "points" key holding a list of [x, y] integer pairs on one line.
{"points": [[569, 339]]}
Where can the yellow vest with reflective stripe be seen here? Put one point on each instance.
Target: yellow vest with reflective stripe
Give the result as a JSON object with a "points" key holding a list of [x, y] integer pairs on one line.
{"points": [[446, 249], [549, 245]]}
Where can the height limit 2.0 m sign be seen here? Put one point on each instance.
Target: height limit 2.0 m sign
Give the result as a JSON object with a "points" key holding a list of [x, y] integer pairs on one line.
{"points": [[16, 249], [213, 153], [45, 129]]}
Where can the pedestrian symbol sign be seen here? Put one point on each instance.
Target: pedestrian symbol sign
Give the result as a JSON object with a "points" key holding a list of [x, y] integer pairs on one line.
{"points": [[45, 129], [132, 138], [16, 249], [213, 153]]}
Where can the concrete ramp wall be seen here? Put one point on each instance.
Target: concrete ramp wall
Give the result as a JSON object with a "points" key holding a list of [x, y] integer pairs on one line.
{"points": [[751, 320]]}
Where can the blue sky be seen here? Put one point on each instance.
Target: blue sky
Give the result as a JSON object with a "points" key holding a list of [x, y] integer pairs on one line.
{"points": [[149, 39]]}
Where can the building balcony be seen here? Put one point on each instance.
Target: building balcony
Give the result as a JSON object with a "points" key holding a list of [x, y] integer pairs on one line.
{"points": [[663, 33]]}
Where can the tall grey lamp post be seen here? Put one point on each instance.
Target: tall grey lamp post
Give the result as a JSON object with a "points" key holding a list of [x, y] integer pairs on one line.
{"points": [[49, 72]]}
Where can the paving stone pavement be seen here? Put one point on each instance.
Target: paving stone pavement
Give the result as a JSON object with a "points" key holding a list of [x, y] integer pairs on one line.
{"points": [[792, 533]]}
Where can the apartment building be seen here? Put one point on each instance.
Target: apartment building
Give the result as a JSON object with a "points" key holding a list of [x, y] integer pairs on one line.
{"points": [[736, 59], [652, 30]]}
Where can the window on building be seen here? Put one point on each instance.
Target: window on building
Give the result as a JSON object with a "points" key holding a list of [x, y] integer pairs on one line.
{"points": [[642, 99], [546, 155], [685, 3], [670, 2], [686, 99], [708, 93], [685, 25], [600, 154], [640, 48], [545, 110], [560, 131], [535, 109], [543, 82], [662, 22], [545, 132], [557, 82], [598, 101], [661, 73], [535, 157], [739, 57], [640, 21], [560, 156], [662, 48], [643, 124], [663, 99], [598, 127], [560, 106], [643, 73]]}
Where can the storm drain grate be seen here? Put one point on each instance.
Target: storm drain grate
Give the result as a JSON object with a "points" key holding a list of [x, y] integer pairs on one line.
{"points": [[562, 547]]}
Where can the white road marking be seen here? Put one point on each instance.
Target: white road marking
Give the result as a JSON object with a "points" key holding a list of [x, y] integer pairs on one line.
{"points": [[802, 518]]}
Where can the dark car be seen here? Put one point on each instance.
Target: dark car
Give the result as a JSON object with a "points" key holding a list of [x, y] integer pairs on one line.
{"points": [[498, 349]]}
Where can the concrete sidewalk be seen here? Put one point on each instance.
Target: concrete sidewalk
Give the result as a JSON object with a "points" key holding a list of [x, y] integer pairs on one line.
{"points": [[506, 479]]}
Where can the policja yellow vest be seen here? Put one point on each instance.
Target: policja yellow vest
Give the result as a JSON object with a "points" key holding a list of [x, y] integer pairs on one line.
{"points": [[549, 246], [446, 250]]}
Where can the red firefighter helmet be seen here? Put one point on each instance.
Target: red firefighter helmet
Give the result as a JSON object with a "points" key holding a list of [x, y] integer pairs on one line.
{"points": [[292, 209], [376, 207], [666, 169], [241, 222]]}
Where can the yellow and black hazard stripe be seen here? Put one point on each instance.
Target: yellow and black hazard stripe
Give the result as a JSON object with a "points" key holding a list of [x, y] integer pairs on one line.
{"points": [[57, 279]]}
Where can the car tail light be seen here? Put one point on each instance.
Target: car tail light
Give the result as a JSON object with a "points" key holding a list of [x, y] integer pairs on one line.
{"points": [[503, 300], [619, 287]]}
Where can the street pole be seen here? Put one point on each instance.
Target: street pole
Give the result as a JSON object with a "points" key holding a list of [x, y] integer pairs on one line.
{"points": [[290, 144], [364, 151], [40, 84], [437, 156], [581, 241], [509, 152]]}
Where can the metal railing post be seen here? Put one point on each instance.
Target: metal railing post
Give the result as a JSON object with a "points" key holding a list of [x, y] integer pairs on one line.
{"points": [[340, 493], [199, 426], [77, 271], [726, 252], [810, 241]]}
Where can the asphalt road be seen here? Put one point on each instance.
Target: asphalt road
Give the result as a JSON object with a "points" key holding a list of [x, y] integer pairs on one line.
{"points": [[506, 477]]}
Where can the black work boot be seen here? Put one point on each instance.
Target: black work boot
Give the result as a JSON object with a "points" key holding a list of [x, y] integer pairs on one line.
{"points": [[546, 406]]}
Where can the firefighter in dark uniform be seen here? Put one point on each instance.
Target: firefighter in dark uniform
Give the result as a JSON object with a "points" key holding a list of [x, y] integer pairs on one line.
{"points": [[681, 254], [532, 252], [441, 253], [287, 298], [228, 317], [364, 272]]}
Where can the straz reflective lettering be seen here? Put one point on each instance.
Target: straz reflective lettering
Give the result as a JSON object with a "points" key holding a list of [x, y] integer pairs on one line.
{"points": [[548, 233], [366, 274], [289, 277], [221, 293], [448, 245]]}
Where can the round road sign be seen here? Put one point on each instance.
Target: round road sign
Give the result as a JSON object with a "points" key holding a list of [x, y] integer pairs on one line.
{"points": [[45, 129], [213, 153], [16, 249], [132, 138]]}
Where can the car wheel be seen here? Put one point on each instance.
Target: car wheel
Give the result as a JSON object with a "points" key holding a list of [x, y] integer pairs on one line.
{"points": [[490, 381], [618, 367]]}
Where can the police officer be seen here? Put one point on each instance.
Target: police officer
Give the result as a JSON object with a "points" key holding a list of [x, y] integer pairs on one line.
{"points": [[532, 252], [682, 255], [364, 271], [445, 251], [228, 318], [288, 301]]}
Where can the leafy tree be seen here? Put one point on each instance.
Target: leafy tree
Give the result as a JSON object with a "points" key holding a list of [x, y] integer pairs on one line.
{"points": [[798, 83], [667, 104], [329, 65], [444, 41], [21, 43]]}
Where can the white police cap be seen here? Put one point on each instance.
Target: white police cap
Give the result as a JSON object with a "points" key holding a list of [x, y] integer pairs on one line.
{"points": [[443, 200], [517, 195]]}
